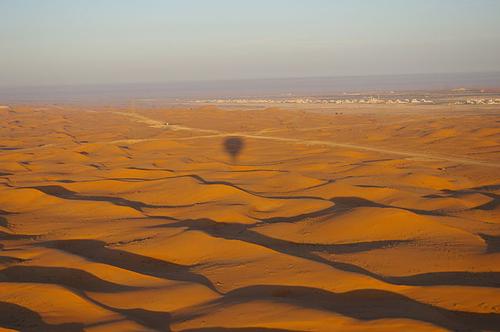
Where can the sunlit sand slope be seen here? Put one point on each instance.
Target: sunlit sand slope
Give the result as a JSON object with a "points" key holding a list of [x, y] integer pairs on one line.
{"points": [[265, 220]]}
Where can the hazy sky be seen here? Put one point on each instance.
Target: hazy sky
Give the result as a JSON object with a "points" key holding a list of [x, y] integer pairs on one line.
{"points": [[45, 42]]}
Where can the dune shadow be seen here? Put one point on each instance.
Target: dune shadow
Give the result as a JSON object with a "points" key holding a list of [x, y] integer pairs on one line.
{"points": [[493, 204], [153, 320], [156, 320], [151, 169], [4, 222], [78, 282], [8, 260], [488, 187], [369, 186], [338, 206], [492, 243], [343, 204], [454, 278], [244, 233], [352, 202], [340, 203], [242, 329], [12, 237], [97, 251], [68, 277], [61, 192], [19, 318], [204, 181], [365, 305]]}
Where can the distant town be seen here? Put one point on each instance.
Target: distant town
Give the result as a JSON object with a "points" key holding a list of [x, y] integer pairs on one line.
{"points": [[369, 100]]}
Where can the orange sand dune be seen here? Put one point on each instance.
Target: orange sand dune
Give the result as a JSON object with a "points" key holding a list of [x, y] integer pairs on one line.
{"points": [[359, 219]]}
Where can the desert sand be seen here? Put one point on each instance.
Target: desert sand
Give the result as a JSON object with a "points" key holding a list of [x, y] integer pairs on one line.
{"points": [[349, 219]]}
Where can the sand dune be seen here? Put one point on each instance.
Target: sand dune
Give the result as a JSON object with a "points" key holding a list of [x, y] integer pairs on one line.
{"points": [[360, 220]]}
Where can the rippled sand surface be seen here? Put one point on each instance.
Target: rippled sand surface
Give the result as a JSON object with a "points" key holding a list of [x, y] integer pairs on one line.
{"points": [[351, 219]]}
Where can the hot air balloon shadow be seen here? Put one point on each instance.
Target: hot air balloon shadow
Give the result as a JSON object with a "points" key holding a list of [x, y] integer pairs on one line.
{"points": [[233, 146]]}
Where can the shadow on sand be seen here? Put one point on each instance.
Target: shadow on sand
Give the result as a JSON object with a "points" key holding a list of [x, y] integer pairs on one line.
{"points": [[97, 251], [366, 304], [19, 318], [243, 232], [71, 278], [61, 192]]}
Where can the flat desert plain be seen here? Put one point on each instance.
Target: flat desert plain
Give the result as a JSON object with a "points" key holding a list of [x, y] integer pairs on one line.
{"points": [[204, 219]]}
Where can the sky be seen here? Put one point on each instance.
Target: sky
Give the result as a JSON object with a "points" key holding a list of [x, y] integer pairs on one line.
{"points": [[62, 42]]}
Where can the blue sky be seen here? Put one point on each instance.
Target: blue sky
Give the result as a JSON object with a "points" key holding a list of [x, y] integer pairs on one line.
{"points": [[45, 42]]}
